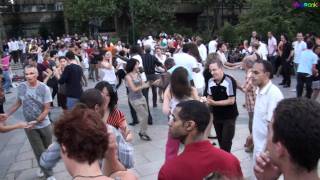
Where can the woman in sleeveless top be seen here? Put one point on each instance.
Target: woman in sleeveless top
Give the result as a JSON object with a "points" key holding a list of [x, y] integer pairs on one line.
{"points": [[136, 98], [178, 90]]}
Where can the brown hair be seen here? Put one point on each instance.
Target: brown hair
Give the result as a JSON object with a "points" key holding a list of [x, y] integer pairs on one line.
{"points": [[83, 134]]}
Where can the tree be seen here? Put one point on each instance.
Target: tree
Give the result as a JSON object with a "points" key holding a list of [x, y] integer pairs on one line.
{"points": [[149, 15], [279, 17]]}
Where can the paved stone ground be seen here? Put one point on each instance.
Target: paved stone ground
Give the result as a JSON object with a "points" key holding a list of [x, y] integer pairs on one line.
{"points": [[17, 160]]}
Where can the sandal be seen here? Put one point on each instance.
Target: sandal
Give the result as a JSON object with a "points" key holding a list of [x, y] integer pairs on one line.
{"points": [[144, 137]]}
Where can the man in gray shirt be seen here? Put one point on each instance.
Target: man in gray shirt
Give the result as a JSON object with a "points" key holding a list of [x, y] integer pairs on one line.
{"points": [[35, 98]]}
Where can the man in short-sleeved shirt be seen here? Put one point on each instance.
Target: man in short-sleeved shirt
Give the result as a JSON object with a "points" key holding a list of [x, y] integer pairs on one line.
{"points": [[268, 96], [35, 98], [306, 67], [222, 99], [186, 60]]}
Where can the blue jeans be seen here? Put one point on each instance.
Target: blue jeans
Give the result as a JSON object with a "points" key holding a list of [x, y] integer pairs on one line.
{"points": [[7, 81], [71, 102]]}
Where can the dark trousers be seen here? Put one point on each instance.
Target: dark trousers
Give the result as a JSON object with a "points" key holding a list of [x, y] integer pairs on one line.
{"points": [[145, 93], [154, 95], [120, 74], [15, 56], [39, 140], [133, 112], [273, 61], [304, 78], [53, 83], [286, 73], [225, 130]]}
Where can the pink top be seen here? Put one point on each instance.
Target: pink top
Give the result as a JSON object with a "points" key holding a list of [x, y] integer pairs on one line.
{"points": [[5, 63]]}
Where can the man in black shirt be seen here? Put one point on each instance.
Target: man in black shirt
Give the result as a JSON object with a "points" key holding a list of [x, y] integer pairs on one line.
{"points": [[72, 77], [222, 98], [149, 63]]}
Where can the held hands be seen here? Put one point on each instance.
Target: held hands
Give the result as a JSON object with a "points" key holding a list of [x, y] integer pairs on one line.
{"points": [[203, 99], [3, 117], [264, 169], [24, 125]]}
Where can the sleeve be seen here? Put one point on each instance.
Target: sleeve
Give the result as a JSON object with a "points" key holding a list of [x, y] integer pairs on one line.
{"points": [[273, 104], [194, 63], [232, 87], [209, 88], [64, 76], [315, 60], [162, 175], [47, 95], [125, 150], [122, 120], [50, 157]]}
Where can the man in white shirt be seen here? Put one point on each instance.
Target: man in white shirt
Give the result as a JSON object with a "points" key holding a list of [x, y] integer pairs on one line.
{"points": [[14, 50], [268, 96], [22, 50], [298, 47], [262, 49], [186, 60], [272, 50], [213, 45], [202, 48]]}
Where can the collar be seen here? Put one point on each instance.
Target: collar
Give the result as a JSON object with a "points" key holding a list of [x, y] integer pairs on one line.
{"points": [[199, 145], [265, 89], [218, 83]]}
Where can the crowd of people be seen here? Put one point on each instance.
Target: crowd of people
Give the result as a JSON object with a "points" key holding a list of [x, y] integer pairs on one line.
{"points": [[188, 79]]}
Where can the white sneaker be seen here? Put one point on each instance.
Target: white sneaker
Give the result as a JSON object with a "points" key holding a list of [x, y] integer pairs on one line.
{"points": [[51, 178], [40, 173]]}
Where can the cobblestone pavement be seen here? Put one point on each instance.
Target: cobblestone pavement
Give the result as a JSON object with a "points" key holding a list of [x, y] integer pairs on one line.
{"points": [[18, 162]]}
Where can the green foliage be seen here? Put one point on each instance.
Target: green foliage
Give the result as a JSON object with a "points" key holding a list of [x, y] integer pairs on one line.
{"points": [[228, 34], [148, 15], [279, 17], [83, 10], [151, 16]]}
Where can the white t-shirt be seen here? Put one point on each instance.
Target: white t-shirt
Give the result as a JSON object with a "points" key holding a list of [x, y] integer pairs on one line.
{"points": [[121, 63], [266, 101], [108, 75], [185, 60], [222, 57], [212, 46], [263, 50], [298, 48], [272, 46], [203, 52], [198, 78]]}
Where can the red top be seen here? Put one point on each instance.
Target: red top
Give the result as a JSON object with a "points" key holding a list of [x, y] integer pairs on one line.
{"points": [[199, 160], [5, 63], [117, 119]]}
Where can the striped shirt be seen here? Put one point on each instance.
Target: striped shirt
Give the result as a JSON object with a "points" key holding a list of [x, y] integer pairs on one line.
{"points": [[117, 119]]}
